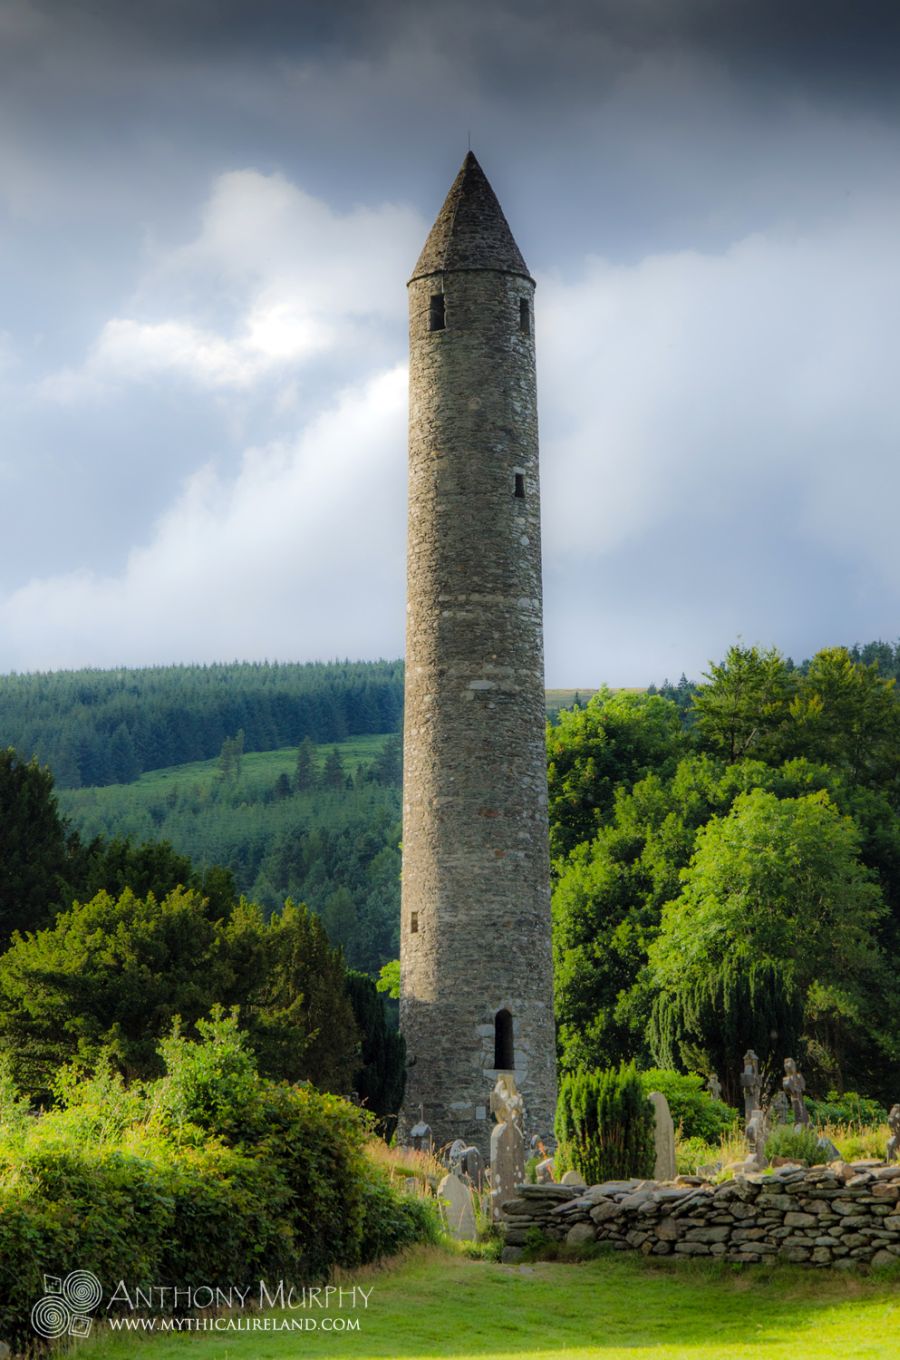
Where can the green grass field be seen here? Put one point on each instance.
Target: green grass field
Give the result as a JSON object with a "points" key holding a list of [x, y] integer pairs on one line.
{"points": [[615, 1308]]}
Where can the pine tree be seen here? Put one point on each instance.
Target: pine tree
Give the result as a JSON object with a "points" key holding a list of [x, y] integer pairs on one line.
{"points": [[305, 772], [333, 776]]}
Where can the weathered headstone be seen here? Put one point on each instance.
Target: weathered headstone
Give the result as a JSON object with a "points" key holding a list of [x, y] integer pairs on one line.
{"points": [[756, 1131], [893, 1147], [714, 1086], [543, 1172], [572, 1177], [663, 1137], [780, 1109], [750, 1083], [456, 1205], [794, 1086], [471, 1167], [507, 1142], [454, 1155]]}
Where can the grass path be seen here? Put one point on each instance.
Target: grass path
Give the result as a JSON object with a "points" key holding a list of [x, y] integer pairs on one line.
{"points": [[615, 1308]]}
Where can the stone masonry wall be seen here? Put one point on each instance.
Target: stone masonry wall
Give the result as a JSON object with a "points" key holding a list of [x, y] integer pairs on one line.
{"points": [[475, 924], [843, 1215]]}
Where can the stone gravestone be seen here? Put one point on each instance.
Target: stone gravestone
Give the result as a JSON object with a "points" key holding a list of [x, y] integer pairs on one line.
{"points": [[780, 1109], [750, 1083], [714, 1086], [893, 1147], [543, 1172], [664, 1168], [456, 1205], [573, 1178], [421, 1138], [507, 1142], [453, 1156], [756, 1132], [471, 1166], [755, 1128], [794, 1086]]}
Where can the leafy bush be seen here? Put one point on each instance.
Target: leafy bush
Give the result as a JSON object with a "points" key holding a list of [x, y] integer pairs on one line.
{"points": [[801, 1145], [691, 1106], [213, 1084], [604, 1125], [846, 1108], [392, 1223], [209, 1174]]}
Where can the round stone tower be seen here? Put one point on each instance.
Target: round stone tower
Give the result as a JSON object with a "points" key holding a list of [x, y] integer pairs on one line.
{"points": [[476, 972]]}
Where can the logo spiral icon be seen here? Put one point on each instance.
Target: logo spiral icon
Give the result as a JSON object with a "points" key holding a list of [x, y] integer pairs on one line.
{"points": [[50, 1316], [82, 1291]]}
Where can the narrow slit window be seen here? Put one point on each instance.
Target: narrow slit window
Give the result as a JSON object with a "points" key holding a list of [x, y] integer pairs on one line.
{"points": [[520, 486], [524, 318], [504, 1056], [436, 318], [414, 923]]}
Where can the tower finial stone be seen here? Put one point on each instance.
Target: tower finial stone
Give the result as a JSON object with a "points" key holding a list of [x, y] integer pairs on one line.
{"points": [[470, 231]]}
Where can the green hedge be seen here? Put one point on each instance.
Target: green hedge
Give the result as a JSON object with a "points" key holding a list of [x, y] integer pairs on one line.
{"points": [[604, 1125]]}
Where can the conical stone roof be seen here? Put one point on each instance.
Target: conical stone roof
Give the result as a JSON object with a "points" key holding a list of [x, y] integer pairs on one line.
{"points": [[470, 231]]}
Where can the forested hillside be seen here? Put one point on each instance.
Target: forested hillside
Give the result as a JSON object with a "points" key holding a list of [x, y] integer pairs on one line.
{"points": [[319, 825], [99, 727]]}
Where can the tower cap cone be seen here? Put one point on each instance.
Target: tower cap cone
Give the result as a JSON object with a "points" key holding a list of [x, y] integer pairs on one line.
{"points": [[470, 231]]}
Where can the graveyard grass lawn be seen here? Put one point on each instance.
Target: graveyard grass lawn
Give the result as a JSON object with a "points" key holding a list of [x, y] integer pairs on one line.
{"points": [[434, 1304]]}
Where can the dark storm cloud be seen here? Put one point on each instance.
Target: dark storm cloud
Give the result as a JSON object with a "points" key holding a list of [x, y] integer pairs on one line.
{"points": [[523, 50]]}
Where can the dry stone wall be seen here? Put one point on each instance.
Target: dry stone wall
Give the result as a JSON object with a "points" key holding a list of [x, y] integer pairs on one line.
{"points": [[843, 1215]]}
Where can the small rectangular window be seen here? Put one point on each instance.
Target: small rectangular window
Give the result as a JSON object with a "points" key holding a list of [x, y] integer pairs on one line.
{"points": [[414, 923], [520, 486], [436, 321], [524, 320]]}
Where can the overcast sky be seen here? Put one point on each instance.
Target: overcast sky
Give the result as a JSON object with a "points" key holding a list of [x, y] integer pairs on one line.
{"points": [[208, 214]]}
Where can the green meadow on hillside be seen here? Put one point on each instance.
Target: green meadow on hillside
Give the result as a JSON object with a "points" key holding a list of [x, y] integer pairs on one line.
{"points": [[140, 808]]}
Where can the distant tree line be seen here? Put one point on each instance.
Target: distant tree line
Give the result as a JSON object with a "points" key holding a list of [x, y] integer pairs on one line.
{"points": [[100, 727], [884, 655]]}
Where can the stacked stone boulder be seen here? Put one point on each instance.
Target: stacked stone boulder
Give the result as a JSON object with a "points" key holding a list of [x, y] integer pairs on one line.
{"points": [[844, 1215]]}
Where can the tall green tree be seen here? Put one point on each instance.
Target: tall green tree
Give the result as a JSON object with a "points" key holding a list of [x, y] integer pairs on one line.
{"points": [[305, 771], [847, 716], [333, 776], [744, 708], [113, 973], [614, 740], [290, 984], [776, 925], [39, 855]]}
